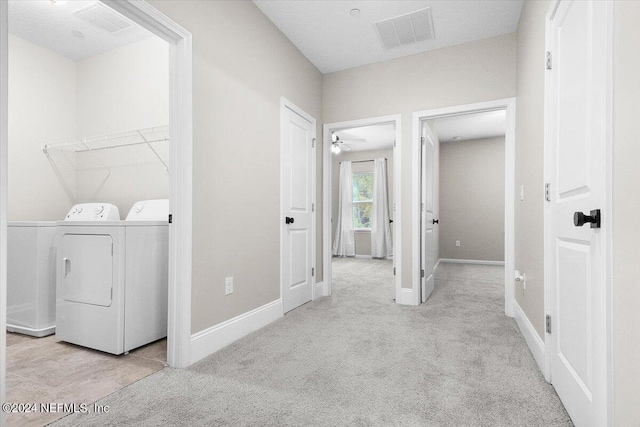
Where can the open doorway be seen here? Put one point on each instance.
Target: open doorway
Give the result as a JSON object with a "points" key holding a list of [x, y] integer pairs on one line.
{"points": [[362, 175], [83, 89], [465, 192]]}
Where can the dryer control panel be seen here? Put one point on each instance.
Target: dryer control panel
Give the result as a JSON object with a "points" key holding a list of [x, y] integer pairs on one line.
{"points": [[149, 210], [93, 212]]}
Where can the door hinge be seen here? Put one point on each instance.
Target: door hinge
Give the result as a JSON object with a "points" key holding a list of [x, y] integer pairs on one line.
{"points": [[547, 192], [394, 271], [170, 219], [423, 140], [548, 324], [313, 271], [313, 207], [394, 143], [313, 142], [421, 273], [422, 206], [548, 60]]}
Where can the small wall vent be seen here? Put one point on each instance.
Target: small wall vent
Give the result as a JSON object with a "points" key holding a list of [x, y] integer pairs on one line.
{"points": [[406, 29], [103, 17]]}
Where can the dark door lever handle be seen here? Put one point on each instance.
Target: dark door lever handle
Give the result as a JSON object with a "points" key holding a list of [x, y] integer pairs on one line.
{"points": [[580, 219], [288, 220], [435, 221]]}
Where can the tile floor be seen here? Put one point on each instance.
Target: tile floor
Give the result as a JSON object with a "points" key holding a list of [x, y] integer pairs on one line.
{"points": [[48, 370]]}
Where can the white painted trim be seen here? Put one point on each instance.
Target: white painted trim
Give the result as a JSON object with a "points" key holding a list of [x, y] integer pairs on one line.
{"points": [[327, 203], [508, 104], [406, 296], [180, 170], [437, 264], [470, 261], [4, 119], [535, 343], [318, 290], [363, 256], [215, 338], [39, 333], [607, 224], [286, 104]]}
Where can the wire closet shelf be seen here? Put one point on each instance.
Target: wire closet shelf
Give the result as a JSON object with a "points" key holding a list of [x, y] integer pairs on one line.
{"points": [[95, 144]]}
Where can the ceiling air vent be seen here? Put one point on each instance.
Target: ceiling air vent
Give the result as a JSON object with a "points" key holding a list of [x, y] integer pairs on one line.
{"points": [[406, 29], [103, 17]]}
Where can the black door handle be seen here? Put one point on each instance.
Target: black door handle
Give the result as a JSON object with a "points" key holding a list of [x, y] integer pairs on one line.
{"points": [[580, 219], [435, 221], [288, 220]]}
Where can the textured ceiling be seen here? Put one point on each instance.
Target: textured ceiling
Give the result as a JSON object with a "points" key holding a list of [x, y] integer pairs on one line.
{"points": [[470, 126], [51, 27], [333, 40]]}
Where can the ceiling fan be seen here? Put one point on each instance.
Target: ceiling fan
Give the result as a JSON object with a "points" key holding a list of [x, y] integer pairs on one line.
{"points": [[337, 145]]}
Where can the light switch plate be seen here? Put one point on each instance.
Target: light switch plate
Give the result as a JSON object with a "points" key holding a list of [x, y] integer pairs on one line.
{"points": [[458, 243], [521, 192]]}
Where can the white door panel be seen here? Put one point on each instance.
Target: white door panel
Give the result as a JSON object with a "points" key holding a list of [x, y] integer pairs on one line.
{"points": [[86, 265], [576, 121], [297, 199], [427, 282]]}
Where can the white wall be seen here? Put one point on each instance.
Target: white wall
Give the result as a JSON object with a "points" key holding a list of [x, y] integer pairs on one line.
{"points": [[124, 89], [626, 205], [362, 238], [472, 199], [463, 74], [242, 65], [529, 213], [42, 109]]}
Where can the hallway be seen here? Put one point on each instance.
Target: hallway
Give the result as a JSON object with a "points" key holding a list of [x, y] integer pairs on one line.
{"points": [[356, 358]]}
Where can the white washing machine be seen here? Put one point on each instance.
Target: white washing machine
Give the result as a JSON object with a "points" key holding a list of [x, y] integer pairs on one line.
{"points": [[31, 283], [112, 278]]}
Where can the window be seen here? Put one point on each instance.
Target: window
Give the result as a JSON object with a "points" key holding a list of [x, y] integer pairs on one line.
{"points": [[362, 200]]}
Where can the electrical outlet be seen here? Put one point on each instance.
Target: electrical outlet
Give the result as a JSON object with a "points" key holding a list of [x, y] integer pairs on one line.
{"points": [[521, 192], [458, 243], [228, 285]]}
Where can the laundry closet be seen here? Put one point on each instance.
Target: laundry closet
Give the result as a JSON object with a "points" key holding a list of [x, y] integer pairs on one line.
{"points": [[88, 184]]}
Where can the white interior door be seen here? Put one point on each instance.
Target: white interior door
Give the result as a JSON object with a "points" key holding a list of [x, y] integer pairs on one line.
{"points": [[297, 239], [577, 96], [427, 280]]}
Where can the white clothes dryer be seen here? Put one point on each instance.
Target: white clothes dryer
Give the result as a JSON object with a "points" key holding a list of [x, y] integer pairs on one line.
{"points": [[112, 278]]}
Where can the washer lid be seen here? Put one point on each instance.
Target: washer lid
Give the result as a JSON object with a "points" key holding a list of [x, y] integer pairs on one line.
{"points": [[149, 210]]}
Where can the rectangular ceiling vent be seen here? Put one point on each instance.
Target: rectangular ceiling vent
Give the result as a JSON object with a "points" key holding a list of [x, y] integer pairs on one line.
{"points": [[406, 29], [103, 17]]}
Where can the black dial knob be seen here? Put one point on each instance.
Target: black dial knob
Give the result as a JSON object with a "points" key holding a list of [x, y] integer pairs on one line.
{"points": [[288, 220], [435, 221]]}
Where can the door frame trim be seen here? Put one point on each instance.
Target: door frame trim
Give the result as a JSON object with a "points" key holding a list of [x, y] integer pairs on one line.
{"points": [[509, 105], [607, 224], [327, 275], [180, 179], [285, 104]]}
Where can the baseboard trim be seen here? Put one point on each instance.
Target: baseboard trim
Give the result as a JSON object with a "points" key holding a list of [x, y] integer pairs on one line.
{"points": [[210, 340], [437, 264], [318, 290], [363, 256], [38, 333], [535, 343], [470, 261]]}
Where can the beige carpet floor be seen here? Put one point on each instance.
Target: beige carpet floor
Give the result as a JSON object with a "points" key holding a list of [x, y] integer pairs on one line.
{"points": [[358, 359]]}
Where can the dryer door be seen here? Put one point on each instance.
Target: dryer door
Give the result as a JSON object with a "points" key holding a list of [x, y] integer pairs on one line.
{"points": [[86, 264]]}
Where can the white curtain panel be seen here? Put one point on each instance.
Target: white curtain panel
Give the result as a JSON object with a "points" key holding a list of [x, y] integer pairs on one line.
{"points": [[344, 240], [381, 244]]}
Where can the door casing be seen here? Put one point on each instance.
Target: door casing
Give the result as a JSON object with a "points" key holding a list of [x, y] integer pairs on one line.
{"points": [[285, 104], [180, 177], [402, 296], [509, 105]]}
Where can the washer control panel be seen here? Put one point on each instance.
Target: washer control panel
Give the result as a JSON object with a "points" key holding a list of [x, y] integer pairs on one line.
{"points": [[93, 212]]}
